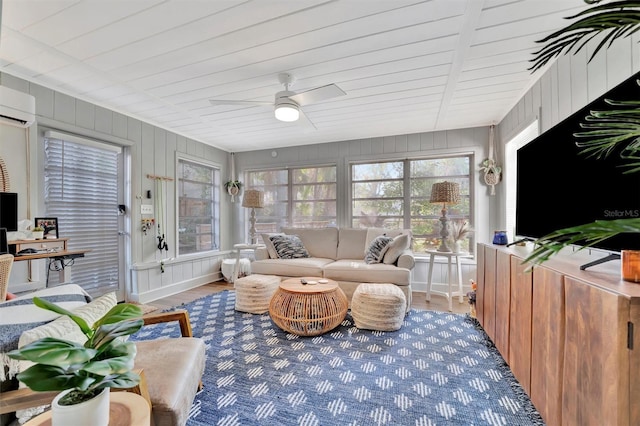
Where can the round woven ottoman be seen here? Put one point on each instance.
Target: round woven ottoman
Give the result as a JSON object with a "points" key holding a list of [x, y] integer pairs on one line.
{"points": [[308, 310], [254, 292], [380, 307]]}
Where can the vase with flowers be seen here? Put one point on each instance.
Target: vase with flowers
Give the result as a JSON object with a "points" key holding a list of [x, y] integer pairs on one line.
{"points": [[458, 233]]}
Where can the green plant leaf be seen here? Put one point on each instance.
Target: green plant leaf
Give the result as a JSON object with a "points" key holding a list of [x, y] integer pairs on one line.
{"points": [[45, 304], [43, 378], [585, 235], [107, 332], [612, 21], [126, 380], [118, 365], [120, 312], [52, 351]]}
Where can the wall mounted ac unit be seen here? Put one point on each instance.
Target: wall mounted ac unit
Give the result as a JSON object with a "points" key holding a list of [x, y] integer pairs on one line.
{"points": [[17, 108]]}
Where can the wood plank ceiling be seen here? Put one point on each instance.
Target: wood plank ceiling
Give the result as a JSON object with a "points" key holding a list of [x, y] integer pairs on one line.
{"points": [[406, 66]]}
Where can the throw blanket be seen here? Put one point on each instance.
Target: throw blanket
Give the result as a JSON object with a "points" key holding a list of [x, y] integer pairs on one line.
{"points": [[21, 314]]}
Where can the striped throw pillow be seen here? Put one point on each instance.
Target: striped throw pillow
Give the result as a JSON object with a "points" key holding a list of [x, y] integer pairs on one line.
{"points": [[377, 249], [288, 246]]}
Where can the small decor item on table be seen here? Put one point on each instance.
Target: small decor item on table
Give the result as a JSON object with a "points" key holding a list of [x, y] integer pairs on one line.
{"points": [[500, 238], [631, 265], [460, 230], [83, 372], [472, 298], [49, 225], [37, 232]]}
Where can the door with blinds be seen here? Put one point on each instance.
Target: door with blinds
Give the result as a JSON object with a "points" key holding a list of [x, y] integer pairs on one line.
{"points": [[83, 188]]}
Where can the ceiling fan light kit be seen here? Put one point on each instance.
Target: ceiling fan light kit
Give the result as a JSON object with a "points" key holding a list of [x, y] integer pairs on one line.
{"points": [[286, 109]]}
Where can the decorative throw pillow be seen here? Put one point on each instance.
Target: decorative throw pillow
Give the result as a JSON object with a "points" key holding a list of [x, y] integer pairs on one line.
{"points": [[266, 238], [395, 249], [288, 246], [377, 248]]}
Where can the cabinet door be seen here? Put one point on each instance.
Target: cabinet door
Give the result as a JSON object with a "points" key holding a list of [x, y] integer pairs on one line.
{"points": [[520, 324], [480, 282], [490, 292], [502, 302], [547, 344], [596, 357]]}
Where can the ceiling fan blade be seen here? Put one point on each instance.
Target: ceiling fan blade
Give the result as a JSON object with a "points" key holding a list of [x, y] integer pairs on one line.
{"points": [[306, 122], [318, 94], [247, 103]]}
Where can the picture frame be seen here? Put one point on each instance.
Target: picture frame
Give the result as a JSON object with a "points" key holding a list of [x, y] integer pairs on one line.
{"points": [[50, 225]]}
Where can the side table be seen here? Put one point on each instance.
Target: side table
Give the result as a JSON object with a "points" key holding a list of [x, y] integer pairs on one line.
{"points": [[452, 258], [308, 310], [238, 248], [125, 409]]}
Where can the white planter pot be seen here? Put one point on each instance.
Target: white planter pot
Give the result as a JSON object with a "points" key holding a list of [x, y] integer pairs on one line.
{"points": [[94, 412], [38, 235]]}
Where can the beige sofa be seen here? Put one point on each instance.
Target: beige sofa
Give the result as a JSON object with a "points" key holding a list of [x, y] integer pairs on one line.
{"points": [[338, 254]]}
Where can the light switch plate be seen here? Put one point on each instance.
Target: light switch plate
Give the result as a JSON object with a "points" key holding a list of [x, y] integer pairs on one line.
{"points": [[146, 209]]}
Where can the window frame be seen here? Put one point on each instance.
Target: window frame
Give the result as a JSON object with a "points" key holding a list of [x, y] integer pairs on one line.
{"points": [[290, 190], [406, 185], [216, 186]]}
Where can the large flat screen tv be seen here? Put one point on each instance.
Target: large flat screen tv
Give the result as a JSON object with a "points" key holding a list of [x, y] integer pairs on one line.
{"points": [[9, 211], [559, 187]]}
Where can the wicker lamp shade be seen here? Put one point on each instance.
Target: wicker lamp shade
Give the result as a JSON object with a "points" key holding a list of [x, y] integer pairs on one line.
{"points": [[445, 192], [253, 198]]}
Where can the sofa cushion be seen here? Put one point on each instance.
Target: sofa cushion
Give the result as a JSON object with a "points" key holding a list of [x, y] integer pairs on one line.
{"points": [[359, 271], [288, 246], [319, 242], [377, 249], [351, 243], [396, 248], [305, 267], [65, 328], [374, 232], [273, 254]]}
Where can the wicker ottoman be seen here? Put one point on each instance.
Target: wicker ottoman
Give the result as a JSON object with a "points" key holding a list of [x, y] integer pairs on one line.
{"points": [[254, 292], [379, 307]]}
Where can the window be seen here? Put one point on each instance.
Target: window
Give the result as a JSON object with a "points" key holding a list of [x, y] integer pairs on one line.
{"points": [[198, 207], [395, 194], [300, 197]]}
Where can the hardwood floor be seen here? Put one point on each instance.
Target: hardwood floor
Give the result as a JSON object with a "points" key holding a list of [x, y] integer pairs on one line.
{"points": [[438, 303]]}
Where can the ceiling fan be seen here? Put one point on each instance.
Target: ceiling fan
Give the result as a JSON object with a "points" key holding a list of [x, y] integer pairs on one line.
{"points": [[287, 103]]}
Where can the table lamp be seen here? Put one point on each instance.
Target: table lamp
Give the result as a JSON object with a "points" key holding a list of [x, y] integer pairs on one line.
{"points": [[253, 199], [445, 192]]}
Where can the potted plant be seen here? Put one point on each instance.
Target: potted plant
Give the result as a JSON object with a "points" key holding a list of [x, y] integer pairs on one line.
{"points": [[83, 373], [233, 188], [37, 232]]}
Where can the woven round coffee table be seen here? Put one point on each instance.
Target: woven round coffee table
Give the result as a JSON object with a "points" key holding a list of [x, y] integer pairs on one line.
{"points": [[308, 310]]}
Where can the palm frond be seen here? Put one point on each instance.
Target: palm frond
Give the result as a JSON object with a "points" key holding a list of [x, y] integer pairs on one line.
{"points": [[586, 235], [613, 20], [606, 131]]}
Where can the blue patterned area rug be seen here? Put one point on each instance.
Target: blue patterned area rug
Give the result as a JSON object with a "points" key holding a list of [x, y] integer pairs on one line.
{"points": [[438, 369]]}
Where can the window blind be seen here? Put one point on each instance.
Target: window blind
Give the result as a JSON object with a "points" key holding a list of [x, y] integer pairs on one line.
{"points": [[81, 190]]}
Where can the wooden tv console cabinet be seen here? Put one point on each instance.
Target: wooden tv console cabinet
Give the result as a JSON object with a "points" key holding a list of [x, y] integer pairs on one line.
{"points": [[568, 335]]}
